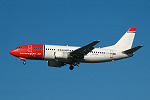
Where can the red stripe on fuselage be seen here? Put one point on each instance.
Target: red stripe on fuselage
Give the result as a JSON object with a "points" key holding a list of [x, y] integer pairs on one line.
{"points": [[37, 51], [31, 51]]}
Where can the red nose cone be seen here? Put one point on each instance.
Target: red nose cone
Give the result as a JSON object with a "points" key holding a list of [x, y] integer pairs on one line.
{"points": [[11, 52]]}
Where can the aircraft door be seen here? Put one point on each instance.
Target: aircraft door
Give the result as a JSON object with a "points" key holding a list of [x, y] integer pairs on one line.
{"points": [[111, 53], [29, 48]]}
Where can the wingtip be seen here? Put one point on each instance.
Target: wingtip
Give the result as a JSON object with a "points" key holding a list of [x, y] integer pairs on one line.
{"points": [[97, 40], [141, 45]]}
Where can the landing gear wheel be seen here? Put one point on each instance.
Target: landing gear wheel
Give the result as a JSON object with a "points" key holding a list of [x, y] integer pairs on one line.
{"points": [[24, 62], [71, 68]]}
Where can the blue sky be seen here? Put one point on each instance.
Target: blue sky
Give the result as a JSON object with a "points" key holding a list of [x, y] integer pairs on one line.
{"points": [[74, 22]]}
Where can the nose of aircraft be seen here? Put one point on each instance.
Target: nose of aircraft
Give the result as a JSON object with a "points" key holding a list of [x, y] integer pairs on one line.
{"points": [[11, 52], [15, 52]]}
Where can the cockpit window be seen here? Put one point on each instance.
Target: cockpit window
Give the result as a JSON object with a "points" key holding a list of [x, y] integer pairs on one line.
{"points": [[19, 47]]}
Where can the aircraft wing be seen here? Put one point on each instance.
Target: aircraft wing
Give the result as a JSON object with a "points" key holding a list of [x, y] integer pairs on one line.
{"points": [[80, 52]]}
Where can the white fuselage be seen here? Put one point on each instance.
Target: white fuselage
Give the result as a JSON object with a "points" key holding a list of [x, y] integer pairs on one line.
{"points": [[97, 55]]}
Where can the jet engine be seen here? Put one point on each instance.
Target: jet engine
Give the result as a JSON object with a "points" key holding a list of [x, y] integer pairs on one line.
{"points": [[55, 64]]}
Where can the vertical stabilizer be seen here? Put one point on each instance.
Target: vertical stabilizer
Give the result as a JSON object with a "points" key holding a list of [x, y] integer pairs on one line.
{"points": [[126, 40]]}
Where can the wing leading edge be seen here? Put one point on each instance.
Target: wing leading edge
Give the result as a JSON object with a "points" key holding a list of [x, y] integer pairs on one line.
{"points": [[80, 52]]}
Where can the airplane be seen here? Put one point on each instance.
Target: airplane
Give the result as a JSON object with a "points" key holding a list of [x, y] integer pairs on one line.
{"points": [[58, 56]]}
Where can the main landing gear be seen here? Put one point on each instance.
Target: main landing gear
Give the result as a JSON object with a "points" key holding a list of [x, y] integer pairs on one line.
{"points": [[72, 65], [24, 62]]}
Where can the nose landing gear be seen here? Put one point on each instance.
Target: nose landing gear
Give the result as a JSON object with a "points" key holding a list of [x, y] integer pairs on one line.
{"points": [[21, 58], [24, 62]]}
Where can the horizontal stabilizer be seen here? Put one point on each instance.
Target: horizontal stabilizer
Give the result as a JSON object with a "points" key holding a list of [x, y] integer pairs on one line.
{"points": [[132, 50]]}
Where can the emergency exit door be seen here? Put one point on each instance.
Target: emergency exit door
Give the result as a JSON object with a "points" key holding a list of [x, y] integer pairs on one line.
{"points": [[111, 53]]}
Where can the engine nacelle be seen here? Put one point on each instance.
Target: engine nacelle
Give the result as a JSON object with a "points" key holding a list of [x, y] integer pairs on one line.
{"points": [[55, 64], [61, 55]]}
